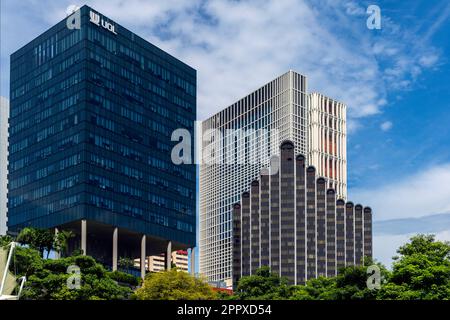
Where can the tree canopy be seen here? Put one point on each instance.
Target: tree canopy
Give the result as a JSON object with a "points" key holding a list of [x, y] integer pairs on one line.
{"points": [[48, 279], [264, 285], [40, 239], [421, 271], [174, 285]]}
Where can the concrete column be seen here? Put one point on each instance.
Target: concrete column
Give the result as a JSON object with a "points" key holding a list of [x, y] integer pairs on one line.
{"points": [[193, 261], [143, 255], [83, 236], [169, 255], [57, 252], [114, 249]]}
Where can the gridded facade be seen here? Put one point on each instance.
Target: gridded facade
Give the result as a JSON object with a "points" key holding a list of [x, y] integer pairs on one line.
{"points": [[279, 109], [327, 142], [4, 115], [92, 112], [312, 234]]}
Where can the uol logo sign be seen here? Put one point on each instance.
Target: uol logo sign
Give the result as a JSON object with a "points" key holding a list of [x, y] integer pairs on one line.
{"points": [[99, 21]]}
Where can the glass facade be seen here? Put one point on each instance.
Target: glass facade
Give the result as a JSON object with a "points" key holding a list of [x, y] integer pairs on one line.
{"points": [[92, 113], [4, 115]]}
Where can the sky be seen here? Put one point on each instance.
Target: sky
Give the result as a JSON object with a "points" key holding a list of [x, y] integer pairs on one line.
{"points": [[395, 80]]}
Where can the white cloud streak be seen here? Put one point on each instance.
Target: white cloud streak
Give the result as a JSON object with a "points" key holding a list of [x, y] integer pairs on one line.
{"points": [[422, 194]]}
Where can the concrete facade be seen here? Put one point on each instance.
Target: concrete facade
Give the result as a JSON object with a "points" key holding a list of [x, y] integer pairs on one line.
{"points": [[312, 233]]}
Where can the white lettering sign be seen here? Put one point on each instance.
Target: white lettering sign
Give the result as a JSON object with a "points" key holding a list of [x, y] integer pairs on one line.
{"points": [[99, 21]]}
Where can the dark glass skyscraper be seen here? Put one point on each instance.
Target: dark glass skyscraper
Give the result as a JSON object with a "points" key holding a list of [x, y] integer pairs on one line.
{"points": [[93, 107]]}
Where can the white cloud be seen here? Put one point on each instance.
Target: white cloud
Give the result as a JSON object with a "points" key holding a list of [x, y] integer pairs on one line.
{"points": [[424, 193], [386, 126], [237, 46], [353, 126], [428, 60], [353, 9]]}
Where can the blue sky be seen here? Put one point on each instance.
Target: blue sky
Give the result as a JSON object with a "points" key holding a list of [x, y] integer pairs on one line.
{"points": [[395, 81]]}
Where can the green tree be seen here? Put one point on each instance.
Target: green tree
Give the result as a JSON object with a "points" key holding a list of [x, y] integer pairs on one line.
{"points": [[27, 261], [174, 285], [315, 289], [421, 271], [47, 279], [125, 278], [263, 285], [39, 239], [349, 284]]}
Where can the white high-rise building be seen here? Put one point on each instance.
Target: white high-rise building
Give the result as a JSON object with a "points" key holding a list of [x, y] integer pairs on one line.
{"points": [[327, 141], [279, 109], [285, 111], [4, 116]]}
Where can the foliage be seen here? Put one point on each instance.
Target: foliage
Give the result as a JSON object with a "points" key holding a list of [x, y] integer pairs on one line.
{"points": [[125, 263], [174, 285], [422, 271], [27, 261], [264, 285], [316, 289], [5, 240], [39, 239], [221, 295], [349, 284], [61, 241], [123, 277], [47, 279]]}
